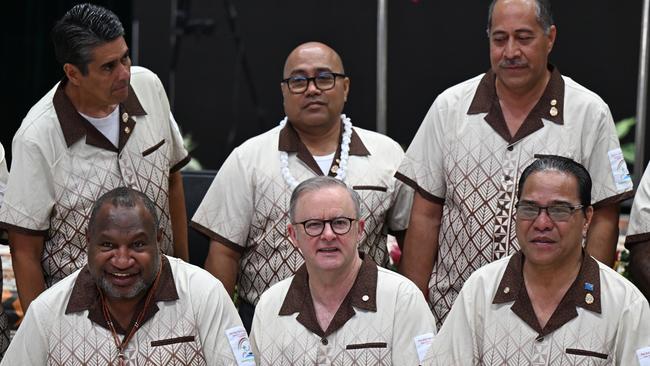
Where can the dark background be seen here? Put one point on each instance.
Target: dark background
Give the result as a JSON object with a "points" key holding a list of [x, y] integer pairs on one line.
{"points": [[432, 45]]}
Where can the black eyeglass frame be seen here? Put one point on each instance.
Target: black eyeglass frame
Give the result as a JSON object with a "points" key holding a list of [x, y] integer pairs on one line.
{"points": [[540, 208], [312, 79], [349, 219]]}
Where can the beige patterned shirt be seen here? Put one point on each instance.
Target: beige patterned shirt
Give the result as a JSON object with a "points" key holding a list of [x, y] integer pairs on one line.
{"points": [[62, 164], [186, 325], [602, 320], [377, 323], [463, 156], [638, 230], [247, 205]]}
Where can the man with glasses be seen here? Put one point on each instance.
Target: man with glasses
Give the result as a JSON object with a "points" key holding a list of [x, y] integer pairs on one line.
{"points": [[550, 303], [245, 211], [477, 138], [339, 308]]}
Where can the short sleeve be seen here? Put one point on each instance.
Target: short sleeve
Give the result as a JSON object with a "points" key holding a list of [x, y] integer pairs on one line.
{"points": [[414, 323], [422, 167], [179, 156], [29, 197], [4, 174], [226, 211], [400, 213], [638, 230], [633, 332], [30, 346]]}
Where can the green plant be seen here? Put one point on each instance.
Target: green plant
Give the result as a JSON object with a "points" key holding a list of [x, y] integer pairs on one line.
{"points": [[623, 128]]}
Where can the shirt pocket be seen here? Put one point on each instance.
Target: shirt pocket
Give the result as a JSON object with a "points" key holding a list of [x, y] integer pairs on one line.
{"points": [[592, 357], [372, 353], [155, 147]]}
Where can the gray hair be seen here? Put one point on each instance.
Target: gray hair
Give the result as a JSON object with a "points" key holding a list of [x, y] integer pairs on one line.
{"points": [[542, 13], [318, 183], [80, 30], [123, 197]]}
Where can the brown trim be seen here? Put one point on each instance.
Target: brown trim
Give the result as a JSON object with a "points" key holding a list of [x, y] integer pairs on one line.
{"points": [[635, 239], [216, 237], [581, 352], [153, 148], [180, 164], [367, 345], [23, 230], [613, 199], [165, 342], [426, 195], [370, 188]]}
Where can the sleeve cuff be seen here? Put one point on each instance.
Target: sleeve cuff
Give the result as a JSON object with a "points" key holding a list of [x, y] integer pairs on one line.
{"points": [[216, 237], [411, 183]]}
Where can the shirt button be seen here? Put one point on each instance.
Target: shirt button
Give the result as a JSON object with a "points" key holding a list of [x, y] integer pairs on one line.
{"points": [[539, 339], [506, 178], [510, 148], [324, 341]]}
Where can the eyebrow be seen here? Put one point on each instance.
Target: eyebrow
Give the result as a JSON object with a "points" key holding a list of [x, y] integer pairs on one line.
{"points": [[112, 62], [552, 203]]}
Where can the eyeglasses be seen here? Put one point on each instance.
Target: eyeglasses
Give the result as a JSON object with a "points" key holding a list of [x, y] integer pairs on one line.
{"points": [[315, 227], [527, 211], [323, 81]]}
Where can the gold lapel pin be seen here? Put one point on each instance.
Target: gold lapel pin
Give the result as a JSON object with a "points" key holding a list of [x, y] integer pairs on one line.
{"points": [[125, 117], [589, 299], [127, 130]]}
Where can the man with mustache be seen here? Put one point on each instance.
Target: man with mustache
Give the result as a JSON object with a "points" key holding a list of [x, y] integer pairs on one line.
{"points": [[477, 138], [106, 124], [246, 208], [131, 305], [550, 303]]}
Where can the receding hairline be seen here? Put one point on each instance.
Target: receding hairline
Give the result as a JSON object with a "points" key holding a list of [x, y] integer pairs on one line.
{"points": [[309, 45]]}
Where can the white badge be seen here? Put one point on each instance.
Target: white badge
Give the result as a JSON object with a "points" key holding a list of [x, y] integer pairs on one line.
{"points": [[422, 344], [241, 346], [643, 355], [619, 170]]}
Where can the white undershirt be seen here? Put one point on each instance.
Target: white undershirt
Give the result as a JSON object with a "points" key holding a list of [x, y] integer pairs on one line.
{"points": [[324, 162], [109, 126]]}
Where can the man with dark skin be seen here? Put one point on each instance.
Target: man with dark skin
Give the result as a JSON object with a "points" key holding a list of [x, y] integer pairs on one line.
{"points": [[247, 203], [479, 136], [130, 304]]}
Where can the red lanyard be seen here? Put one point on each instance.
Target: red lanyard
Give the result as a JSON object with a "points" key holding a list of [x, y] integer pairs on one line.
{"points": [[121, 346]]}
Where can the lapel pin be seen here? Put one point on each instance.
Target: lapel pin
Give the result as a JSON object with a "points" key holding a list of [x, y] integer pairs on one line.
{"points": [[125, 117]]}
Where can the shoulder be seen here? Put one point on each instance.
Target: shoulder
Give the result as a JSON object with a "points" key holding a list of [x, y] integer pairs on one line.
{"points": [[575, 92], [393, 282], [41, 122], [377, 142], [615, 286], [459, 92], [275, 295], [56, 297], [490, 272], [260, 144], [191, 279], [141, 74]]}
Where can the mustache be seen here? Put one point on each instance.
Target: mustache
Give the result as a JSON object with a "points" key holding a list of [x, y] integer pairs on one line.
{"points": [[512, 62]]}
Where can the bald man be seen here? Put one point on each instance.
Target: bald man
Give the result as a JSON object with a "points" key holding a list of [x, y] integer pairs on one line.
{"points": [[245, 212]]}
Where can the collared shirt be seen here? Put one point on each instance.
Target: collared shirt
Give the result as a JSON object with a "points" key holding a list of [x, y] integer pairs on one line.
{"points": [[377, 323], [464, 157], [638, 230], [599, 321], [186, 324], [247, 205], [62, 164], [4, 320]]}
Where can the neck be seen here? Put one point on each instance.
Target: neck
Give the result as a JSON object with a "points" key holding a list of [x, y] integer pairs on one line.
{"points": [[329, 289], [321, 140], [83, 105], [123, 310]]}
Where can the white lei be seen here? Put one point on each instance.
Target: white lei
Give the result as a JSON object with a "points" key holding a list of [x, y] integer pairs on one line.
{"points": [[343, 164]]}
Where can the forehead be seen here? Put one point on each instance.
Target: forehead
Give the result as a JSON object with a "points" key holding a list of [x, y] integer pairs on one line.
{"points": [[312, 57], [324, 203], [123, 218], [109, 51], [550, 185], [513, 15]]}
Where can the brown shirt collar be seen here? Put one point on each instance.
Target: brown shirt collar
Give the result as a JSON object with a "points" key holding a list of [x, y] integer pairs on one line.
{"points": [[75, 126], [298, 298], [486, 101], [512, 288], [85, 296], [289, 141]]}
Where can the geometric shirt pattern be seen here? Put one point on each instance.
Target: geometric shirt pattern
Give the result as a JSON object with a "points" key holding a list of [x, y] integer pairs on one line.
{"points": [[493, 323], [187, 325], [62, 164], [247, 205], [638, 230], [464, 156], [376, 324]]}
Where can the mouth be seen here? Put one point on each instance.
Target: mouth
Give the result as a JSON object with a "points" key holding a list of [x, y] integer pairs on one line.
{"points": [[121, 279], [542, 240], [328, 250], [313, 104]]}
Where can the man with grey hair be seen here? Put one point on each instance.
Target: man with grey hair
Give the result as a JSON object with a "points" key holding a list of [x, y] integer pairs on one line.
{"points": [[339, 307], [106, 124], [477, 138], [131, 305]]}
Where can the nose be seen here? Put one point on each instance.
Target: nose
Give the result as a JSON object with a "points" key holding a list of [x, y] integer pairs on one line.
{"points": [[511, 49], [328, 234], [311, 88], [122, 258], [543, 222], [124, 71]]}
